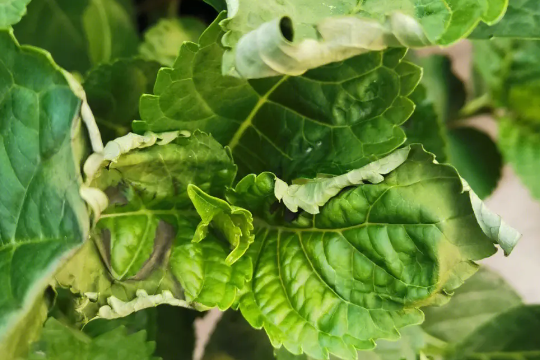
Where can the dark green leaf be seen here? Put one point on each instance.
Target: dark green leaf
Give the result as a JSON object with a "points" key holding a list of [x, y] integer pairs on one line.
{"points": [[113, 92], [425, 127], [476, 157], [42, 216], [332, 120], [79, 34]]}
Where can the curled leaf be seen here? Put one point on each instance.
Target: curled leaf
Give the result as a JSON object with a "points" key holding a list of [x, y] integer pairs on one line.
{"points": [[235, 223], [313, 194]]}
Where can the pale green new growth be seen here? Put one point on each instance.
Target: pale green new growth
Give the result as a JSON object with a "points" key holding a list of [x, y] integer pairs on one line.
{"points": [[118, 308], [235, 223], [162, 41], [11, 12]]}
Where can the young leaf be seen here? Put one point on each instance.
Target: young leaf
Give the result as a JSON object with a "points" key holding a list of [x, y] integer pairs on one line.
{"points": [[59, 342], [483, 297], [162, 41], [359, 270], [11, 12], [330, 120], [270, 38], [511, 335], [232, 222], [520, 21], [79, 34], [113, 92], [42, 216]]}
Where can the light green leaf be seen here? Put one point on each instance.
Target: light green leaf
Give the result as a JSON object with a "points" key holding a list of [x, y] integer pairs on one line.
{"points": [[476, 157], [234, 223], [522, 20], [330, 120], [274, 38], [11, 12], [508, 70], [42, 216], [312, 194], [113, 92], [483, 297], [255, 344], [163, 40], [79, 34], [511, 335], [519, 141], [358, 271], [161, 173], [146, 254], [60, 342]]}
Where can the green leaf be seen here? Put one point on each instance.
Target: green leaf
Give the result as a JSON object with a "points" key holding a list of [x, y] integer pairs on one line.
{"points": [[330, 120], [359, 270], [175, 338], [79, 34], [508, 71], [113, 92], [272, 38], [519, 141], [11, 12], [522, 20], [310, 195], [425, 126], [255, 344], [445, 89], [234, 223], [511, 335], [476, 157], [162, 41], [59, 342], [439, 100], [145, 255], [42, 216], [219, 5], [481, 299], [161, 173]]}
